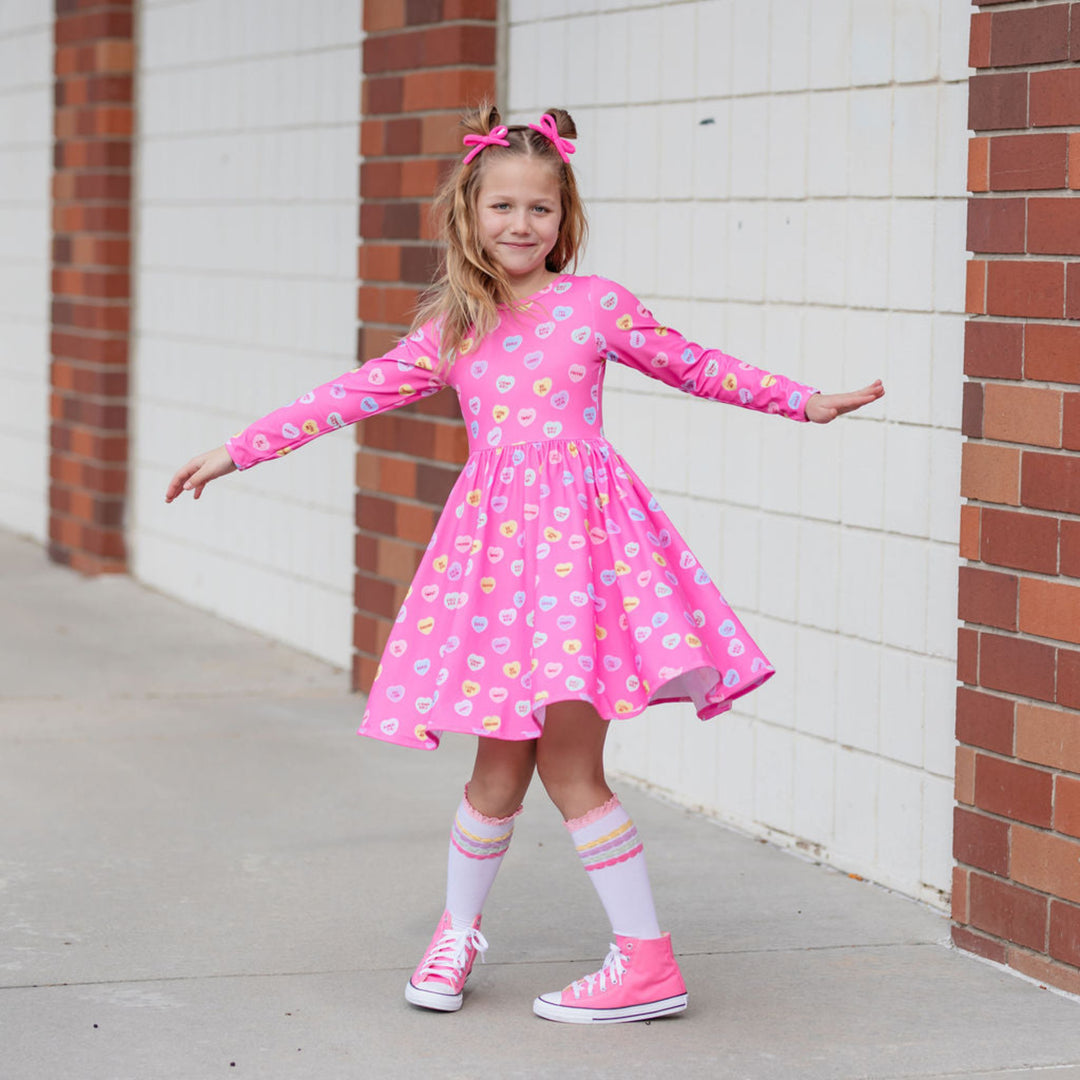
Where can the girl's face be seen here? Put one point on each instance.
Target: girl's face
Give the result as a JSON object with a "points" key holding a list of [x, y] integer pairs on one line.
{"points": [[519, 212]]}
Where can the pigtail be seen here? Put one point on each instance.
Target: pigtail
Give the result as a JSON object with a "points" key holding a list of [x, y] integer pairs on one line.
{"points": [[564, 122]]}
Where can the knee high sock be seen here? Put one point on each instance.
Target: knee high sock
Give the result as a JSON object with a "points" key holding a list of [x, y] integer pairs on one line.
{"points": [[477, 846], [611, 852]]}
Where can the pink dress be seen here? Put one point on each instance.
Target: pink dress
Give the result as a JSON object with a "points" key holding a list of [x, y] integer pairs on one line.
{"points": [[552, 574]]}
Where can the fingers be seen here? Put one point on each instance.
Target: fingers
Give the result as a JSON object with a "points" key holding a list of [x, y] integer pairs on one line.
{"points": [[179, 482]]}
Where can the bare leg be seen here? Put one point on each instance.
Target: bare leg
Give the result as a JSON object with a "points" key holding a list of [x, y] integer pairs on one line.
{"points": [[501, 775], [570, 757]]}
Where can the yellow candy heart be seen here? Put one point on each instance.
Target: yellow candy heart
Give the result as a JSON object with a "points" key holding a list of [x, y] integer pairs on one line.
{"points": [[563, 568], [622, 707], [508, 528], [659, 559], [420, 731], [621, 568], [693, 641], [552, 535], [487, 584], [491, 723], [470, 688], [405, 389], [630, 603], [512, 670], [424, 363], [541, 387], [476, 546], [440, 563], [730, 382], [624, 322], [601, 633], [571, 646], [500, 412], [425, 626], [473, 498]]}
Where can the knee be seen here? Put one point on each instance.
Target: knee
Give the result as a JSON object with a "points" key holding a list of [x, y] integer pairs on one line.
{"points": [[569, 782], [497, 791]]}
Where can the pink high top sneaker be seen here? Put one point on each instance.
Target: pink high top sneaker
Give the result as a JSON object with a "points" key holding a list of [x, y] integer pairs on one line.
{"points": [[639, 980], [437, 983]]}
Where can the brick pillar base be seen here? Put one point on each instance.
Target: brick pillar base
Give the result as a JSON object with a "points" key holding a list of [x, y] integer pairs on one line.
{"points": [[93, 123], [1016, 895], [423, 64]]}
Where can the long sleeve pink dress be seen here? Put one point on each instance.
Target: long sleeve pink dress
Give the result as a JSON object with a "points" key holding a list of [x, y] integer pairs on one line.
{"points": [[552, 574]]}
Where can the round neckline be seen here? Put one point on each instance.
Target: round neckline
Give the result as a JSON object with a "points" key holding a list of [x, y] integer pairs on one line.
{"points": [[525, 300]]}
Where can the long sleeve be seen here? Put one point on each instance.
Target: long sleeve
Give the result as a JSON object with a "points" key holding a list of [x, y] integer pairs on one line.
{"points": [[628, 334], [408, 372]]}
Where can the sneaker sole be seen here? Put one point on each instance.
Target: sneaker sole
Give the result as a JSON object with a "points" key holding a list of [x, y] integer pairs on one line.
{"points": [[571, 1014], [432, 999]]}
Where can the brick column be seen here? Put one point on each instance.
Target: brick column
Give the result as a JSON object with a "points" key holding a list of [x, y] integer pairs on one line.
{"points": [[424, 61], [1016, 896], [93, 123]]}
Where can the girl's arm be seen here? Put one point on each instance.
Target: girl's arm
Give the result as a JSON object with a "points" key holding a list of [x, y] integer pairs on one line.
{"points": [[627, 333], [407, 373]]}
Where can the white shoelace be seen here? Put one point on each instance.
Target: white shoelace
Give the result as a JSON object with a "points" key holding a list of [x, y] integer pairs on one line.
{"points": [[448, 958], [614, 967]]}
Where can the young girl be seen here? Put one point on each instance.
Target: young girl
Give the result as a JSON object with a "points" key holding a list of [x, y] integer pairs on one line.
{"points": [[555, 595]]}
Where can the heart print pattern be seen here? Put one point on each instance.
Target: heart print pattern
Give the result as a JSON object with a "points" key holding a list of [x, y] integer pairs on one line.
{"points": [[553, 573]]}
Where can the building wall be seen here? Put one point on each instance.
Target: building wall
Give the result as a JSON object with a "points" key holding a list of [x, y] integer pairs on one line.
{"points": [[26, 69], [1016, 897], [785, 180], [245, 297]]}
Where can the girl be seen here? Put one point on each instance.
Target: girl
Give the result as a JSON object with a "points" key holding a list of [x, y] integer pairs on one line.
{"points": [[555, 595]]}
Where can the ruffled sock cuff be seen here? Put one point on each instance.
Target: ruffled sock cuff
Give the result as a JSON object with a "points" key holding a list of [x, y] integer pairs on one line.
{"points": [[593, 815], [483, 818]]}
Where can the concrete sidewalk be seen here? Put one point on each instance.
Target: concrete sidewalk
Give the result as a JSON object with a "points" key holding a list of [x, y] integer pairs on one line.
{"points": [[205, 873]]}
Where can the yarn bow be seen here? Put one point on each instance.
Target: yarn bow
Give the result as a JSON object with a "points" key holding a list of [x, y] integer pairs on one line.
{"points": [[548, 128], [495, 137]]}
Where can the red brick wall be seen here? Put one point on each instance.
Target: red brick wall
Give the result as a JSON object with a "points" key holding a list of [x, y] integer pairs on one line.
{"points": [[91, 293], [1016, 896], [423, 62]]}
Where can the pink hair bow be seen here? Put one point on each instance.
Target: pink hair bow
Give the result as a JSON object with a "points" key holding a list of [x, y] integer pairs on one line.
{"points": [[550, 129], [495, 137]]}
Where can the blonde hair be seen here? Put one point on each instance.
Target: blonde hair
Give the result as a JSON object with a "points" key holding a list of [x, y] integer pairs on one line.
{"points": [[466, 296]]}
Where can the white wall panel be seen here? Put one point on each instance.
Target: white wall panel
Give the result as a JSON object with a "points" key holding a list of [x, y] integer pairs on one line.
{"points": [[246, 297], [26, 80], [788, 180]]}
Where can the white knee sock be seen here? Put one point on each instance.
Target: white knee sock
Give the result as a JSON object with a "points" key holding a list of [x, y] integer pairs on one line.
{"points": [[611, 853], [477, 846]]}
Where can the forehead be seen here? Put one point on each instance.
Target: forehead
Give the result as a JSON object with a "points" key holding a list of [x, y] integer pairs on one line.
{"points": [[518, 174]]}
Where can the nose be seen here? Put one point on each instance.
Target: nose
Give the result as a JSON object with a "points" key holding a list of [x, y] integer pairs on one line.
{"points": [[519, 223]]}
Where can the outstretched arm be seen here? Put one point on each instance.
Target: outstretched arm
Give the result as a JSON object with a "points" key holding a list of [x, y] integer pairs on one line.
{"points": [[198, 472], [408, 372], [821, 408]]}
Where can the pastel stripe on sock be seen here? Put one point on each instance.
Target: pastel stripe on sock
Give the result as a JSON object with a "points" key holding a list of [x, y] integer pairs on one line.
{"points": [[479, 847], [617, 846], [618, 859], [583, 848]]}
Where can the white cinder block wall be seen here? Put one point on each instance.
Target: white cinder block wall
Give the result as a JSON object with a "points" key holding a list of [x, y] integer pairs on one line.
{"points": [[246, 297], [26, 95], [785, 179]]}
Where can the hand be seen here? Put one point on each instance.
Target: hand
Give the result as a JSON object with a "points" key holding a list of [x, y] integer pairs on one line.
{"points": [[198, 472], [821, 408]]}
